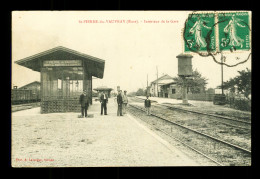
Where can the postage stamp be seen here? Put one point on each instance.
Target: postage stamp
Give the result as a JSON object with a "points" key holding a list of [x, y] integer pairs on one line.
{"points": [[217, 31], [233, 31], [214, 33], [199, 33]]}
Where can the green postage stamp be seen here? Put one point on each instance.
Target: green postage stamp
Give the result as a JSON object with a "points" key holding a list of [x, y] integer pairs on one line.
{"points": [[217, 31], [199, 32], [234, 31]]}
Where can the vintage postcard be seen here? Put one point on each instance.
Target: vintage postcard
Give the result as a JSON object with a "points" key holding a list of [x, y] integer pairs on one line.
{"points": [[131, 88]]}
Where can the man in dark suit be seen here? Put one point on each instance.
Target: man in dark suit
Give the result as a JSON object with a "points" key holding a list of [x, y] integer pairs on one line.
{"points": [[119, 103], [84, 101], [103, 101]]}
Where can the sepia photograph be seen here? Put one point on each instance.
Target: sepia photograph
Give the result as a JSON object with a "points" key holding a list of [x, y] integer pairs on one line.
{"points": [[130, 88]]}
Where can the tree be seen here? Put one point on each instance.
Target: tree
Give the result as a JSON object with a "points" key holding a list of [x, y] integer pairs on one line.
{"points": [[241, 83], [131, 94], [195, 84], [140, 92]]}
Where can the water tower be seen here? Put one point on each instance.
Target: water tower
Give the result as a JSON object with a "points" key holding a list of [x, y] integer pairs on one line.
{"points": [[184, 71]]}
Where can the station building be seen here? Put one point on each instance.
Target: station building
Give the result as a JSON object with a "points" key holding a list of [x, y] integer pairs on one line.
{"points": [[104, 89], [155, 88], [65, 73], [170, 90]]}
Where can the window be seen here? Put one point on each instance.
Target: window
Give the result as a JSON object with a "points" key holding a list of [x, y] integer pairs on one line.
{"points": [[62, 82], [173, 91], [59, 83]]}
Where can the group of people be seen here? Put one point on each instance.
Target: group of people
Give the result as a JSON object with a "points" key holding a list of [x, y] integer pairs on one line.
{"points": [[122, 101]]}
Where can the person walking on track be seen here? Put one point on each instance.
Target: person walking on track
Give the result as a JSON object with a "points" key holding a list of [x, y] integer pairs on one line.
{"points": [[119, 103], [125, 101], [103, 101], [84, 101], [147, 105]]}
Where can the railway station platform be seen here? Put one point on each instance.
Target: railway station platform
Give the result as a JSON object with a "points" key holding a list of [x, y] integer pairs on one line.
{"points": [[202, 106], [64, 140]]}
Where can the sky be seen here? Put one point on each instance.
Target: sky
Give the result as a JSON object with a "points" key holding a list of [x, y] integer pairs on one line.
{"points": [[131, 49]]}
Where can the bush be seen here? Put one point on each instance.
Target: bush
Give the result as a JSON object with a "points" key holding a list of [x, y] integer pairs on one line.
{"points": [[140, 92], [242, 104], [131, 94]]}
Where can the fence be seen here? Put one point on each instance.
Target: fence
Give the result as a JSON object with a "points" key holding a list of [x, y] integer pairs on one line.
{"points": [[239, 103], [196, 97]]}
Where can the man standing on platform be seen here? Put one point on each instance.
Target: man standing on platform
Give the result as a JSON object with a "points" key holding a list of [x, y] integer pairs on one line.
{"points": [[119, 103], [84, 101], [125, 101], [103, 101]]}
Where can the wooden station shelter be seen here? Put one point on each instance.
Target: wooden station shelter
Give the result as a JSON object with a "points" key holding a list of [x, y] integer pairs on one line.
{"points": [[104, 89], [65, 73]]}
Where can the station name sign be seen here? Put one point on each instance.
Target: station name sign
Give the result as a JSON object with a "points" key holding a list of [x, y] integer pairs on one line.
{"points": [[51, 63]]}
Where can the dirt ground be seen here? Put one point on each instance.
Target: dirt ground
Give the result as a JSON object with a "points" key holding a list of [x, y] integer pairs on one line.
{"points": [[63, 140]]}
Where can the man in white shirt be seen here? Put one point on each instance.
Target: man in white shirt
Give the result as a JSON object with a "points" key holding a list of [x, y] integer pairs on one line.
{"points": [[125, 101]]}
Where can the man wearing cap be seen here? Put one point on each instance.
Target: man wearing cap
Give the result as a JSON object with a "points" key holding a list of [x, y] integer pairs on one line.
{"points": [[103, 101], [125, 101], [84, 101]]}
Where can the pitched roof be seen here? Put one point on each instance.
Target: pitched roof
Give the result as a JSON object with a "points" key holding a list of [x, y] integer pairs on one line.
{"points": [[184, 55], [102, 88], [34, 82], [95, 65], [165, 81], [164, 76], [173, 82]]}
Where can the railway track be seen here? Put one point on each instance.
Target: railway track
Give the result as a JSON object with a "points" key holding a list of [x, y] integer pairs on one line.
{"points": [[20, 107], [206, 114], [27, 104], [219, 119], [236, 150], [230, 121], [230, 130]]}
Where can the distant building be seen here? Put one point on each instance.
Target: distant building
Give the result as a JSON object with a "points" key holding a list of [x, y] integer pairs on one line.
{"points": [[156, 88], [171, 90], [168, 88], [104, 89], [35, 87]]}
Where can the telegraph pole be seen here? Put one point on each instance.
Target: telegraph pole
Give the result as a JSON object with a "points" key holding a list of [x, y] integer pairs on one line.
{"points": [[147, 85], [157, 81], [147, 81], [222, 90]]}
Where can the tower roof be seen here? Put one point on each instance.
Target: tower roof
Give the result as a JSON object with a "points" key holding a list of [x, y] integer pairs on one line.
{"points": [[184, 55]]}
